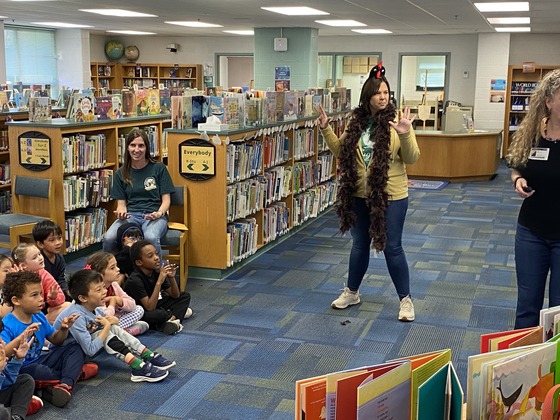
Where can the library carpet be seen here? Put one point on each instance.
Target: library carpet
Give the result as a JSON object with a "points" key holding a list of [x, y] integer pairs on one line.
{"points": [[270, 323]]}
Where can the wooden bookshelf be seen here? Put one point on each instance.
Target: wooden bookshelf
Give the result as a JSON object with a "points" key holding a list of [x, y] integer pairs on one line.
{"points": [[152, 75], [214, 211], [55, 131], [103, 75], [520, 86]]}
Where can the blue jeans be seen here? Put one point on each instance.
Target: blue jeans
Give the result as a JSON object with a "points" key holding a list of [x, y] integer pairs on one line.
{"points": [[394, 253], [152, 230], [535, 257]]}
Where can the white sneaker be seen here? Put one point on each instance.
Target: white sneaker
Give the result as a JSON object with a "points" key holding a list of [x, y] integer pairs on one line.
{"points": [[406, 312], [346, 299], [188, 314]]}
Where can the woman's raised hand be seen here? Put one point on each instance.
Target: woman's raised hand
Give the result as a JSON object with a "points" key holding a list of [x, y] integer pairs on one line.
{"points": [[322, 119], [404, 121]]}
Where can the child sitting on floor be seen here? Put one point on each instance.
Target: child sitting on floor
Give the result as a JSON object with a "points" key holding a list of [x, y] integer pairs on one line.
{"points": [[94, 331], [154, 287], [117, 302]]}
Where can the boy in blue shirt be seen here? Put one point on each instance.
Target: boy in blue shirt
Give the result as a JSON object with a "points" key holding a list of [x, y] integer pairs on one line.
{"points": [[56, 370], [94, 331]]}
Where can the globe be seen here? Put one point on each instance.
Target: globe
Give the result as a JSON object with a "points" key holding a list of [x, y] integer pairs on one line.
{"points": [[131, 53], [114, 50]]}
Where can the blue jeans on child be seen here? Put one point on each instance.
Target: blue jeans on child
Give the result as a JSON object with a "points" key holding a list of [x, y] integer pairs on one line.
{"points": [[534, 258], [152, 230], [394, 253]]}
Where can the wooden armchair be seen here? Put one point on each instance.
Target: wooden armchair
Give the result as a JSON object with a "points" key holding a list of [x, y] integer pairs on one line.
{"points": [[27, 192], [175, 241]]}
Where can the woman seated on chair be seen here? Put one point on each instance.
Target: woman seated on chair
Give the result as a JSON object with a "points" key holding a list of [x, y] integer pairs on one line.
{"points": [[142, 188]]}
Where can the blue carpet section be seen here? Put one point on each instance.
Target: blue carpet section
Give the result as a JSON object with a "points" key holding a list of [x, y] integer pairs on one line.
{"points": [[270, 323]]}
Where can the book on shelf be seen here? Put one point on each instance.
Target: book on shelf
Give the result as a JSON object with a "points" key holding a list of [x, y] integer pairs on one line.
{"points": [[165, 101], [199, 109], [128, 103], [142, 102], [39, 109], [85, 107], [103, 105], [116, 106], [153, 100]]}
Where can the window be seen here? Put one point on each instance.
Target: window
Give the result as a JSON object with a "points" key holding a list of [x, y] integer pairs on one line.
{"points": [[30, 56]]}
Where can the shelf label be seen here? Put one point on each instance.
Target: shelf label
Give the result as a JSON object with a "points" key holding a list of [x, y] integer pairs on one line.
{"points": [[197, 159], [34, 151]]}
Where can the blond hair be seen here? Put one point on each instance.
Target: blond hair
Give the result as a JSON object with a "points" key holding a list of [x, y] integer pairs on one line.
{"points": [[528, 133]]}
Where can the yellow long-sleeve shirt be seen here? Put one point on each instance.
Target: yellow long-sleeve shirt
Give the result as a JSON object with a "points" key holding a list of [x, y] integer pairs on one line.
{"points": [[403, 150]]}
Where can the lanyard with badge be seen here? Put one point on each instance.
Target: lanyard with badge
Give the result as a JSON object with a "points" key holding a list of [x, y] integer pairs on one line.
{"points": [[539, 153]]}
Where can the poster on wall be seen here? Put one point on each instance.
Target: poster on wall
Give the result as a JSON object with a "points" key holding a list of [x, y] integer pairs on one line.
{"points": [[497, 90], [197, 159], [282, 78]]}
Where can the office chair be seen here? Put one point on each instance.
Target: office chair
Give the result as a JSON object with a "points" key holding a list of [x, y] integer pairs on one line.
{"points": [[175, 240], [36, 193]]}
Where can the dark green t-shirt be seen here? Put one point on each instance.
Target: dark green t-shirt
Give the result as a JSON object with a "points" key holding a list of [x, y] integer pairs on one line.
{"points": [[148, 185]]}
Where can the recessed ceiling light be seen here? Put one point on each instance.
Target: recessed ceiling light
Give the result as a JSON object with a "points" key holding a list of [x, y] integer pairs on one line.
{"points": [[510, 21], [513, 29], [372, 31], [132, 32], [247, 32], [117, 13], [194, 24], [62, 25], [517, 6], [3, 17], [341, 23], [296, 11]]}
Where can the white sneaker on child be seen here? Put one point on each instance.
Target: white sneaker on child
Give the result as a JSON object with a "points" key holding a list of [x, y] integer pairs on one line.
{"points": [[189, 313]]}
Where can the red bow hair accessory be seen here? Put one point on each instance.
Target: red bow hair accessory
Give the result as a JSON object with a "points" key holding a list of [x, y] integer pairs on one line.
{"points": [[87, 267], [378, 71]]}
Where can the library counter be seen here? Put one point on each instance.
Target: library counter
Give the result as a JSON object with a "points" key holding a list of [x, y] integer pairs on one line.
{"points": [[457, 156]]}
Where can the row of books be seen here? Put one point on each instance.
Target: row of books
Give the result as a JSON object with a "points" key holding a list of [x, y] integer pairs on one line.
{"points": [[87, 190], [305, 175], [515, 376], [243, 160], [82, 152], [523, 87], [312, 202], [276, 149], [255, 108], [276, 221], [5, 174], [304, 143], [245, 198], [242, 239], [5, 201], [85, 228], [423, 386], [326, 166], [4, 143]]}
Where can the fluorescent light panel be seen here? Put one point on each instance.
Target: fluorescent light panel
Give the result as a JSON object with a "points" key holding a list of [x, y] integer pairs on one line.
{"points": [[510, 21], [117, 13], [132, 32], [62, 25], [518, 6], [296, 11], [372, 31], [194, 24], [235, 32], [513, 29], [341, 23]]}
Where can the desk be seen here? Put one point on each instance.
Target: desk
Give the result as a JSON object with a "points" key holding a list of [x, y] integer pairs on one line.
{"points": [[457, 156]]}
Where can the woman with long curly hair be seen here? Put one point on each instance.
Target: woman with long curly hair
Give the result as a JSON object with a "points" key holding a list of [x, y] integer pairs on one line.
{"points": [[534, 157], [373, 186]]}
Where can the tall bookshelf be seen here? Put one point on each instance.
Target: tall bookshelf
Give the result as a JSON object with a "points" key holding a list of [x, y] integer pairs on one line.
{"points": [[520, 86], [103, 75], [76, 216], [267, 181], [169, 75]]}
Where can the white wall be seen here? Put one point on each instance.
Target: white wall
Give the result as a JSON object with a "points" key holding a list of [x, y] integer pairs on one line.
{"points": [[540, 48]]}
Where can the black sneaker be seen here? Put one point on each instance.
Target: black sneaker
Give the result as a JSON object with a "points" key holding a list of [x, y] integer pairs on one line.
{"points": [[148, 373], [58, 395], [171, 327]]}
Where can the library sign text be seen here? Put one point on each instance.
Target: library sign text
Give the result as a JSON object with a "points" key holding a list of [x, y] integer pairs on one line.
{"points": [[197, 159], [34, 151]]}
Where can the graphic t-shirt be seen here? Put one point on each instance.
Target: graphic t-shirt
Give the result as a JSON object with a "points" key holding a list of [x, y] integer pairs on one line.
{"points": [[367, 144]]}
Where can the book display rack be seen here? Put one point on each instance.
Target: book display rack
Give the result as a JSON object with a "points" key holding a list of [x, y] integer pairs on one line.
{"points": [[248, 187], [80, 158]]}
